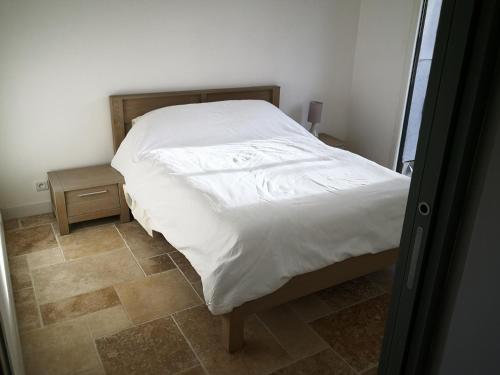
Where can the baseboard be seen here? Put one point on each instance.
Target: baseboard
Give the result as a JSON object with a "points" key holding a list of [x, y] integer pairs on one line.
{"points": [[28, 210]]}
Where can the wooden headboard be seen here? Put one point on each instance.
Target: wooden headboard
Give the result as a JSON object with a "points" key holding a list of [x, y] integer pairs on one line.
{"points": [[124, 108]]}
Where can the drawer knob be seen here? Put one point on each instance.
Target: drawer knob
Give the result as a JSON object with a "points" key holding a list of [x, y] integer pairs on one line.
{"points": [[92, 193]]}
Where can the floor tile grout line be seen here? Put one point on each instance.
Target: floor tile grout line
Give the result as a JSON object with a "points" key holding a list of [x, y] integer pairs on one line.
{"points": [[308, 321], [187, 280], [80, 318], [368, 369], [286, 351], [37, 302], [202, 297], [272, 334], [190, 345], [71, 260], [186, 370], [313, 331], [35, 296], [270, 371], [348, 306], [114, 332], [381, 291], [343, 360], [295, 361], [20, 226], [130, 250], [76, 259], [169, 315], [123, 306], [99, 359], [58, 242], [342, 309]]}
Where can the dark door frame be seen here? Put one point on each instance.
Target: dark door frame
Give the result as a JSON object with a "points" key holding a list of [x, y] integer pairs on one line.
{"points": [[5, 365], [457, 95]]}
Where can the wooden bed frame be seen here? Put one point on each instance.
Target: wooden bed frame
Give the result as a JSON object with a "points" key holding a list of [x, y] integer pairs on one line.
{"points": [[124, 108]]}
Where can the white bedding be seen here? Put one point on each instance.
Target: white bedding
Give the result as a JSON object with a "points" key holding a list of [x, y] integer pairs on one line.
{"points": [[252, 199]]}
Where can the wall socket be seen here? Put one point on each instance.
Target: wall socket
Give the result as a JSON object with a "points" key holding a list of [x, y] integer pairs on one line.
{"points": [[42, 185]]}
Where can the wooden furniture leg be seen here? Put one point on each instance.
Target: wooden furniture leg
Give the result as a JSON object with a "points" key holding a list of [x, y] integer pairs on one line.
{"points": [[233, 331], [299, 286], [59, 204], [124, 210]]}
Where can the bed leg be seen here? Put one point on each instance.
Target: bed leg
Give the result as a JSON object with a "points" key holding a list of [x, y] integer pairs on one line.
{"points": [[233, 331]]}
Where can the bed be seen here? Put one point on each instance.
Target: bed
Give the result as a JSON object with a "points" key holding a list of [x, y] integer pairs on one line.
{"points": [[264, 211]]}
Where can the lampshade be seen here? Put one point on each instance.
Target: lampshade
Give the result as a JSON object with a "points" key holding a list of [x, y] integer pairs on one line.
{"points": [[315, 112]]}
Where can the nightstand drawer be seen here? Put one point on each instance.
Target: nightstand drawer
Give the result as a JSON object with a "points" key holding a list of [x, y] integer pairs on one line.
{"points": [[84, 201]]}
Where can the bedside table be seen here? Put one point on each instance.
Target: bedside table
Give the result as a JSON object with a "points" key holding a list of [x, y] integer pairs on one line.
{"points": [[332, 141], [87, 193]]}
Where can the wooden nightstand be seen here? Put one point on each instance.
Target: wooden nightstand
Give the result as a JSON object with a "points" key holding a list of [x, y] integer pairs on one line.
{"points": [[87, 193], [332, 141]]}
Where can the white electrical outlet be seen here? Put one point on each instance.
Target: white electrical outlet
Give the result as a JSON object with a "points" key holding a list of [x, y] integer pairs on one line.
{"points": [[42, 185]]}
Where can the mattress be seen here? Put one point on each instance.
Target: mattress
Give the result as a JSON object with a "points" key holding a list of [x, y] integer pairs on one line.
{"points": [[252, 199]]}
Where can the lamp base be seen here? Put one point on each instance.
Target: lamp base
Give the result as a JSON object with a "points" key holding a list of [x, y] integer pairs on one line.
{"points": [[313, 130]]}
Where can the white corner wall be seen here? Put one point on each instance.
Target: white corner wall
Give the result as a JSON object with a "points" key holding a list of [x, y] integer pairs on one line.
{"points": [[62, 59], [382, 64]]}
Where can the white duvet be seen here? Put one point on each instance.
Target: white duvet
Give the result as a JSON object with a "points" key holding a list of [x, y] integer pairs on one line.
{"points": [[252, 199]]}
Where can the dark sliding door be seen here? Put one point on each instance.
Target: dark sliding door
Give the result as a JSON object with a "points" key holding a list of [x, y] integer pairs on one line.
{"points": [[452, 121]]}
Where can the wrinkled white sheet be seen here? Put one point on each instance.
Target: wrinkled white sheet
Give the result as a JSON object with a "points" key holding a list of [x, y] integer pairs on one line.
{"points": [[252, 199]]}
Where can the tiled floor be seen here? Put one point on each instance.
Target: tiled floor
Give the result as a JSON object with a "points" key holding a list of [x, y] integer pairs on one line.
{"points": [[109, 299]]}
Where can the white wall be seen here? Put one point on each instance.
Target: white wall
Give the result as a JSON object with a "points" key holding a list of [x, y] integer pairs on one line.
{"points": [[384, 48], [61, 59]]}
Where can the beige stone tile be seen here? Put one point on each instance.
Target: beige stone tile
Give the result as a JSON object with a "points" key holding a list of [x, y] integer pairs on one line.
{"points": [[310, 307], [27, 314], [260, 355], [10, 224], [384, 278], [198, 370], [356, 333], [372, 371], [23, 241], [156, 296], [184, 265], [107, 322], [91, 241], [198, 287], [65, 348], [83, 225], [157, 264], [26, 295], [141, 243], [156, 347], [294, 335], [30, 221], [84, 275], [349, 293], [94, 371], [324, 363], [73, 307], [44, 258], [19, 272], [88, 224]]}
